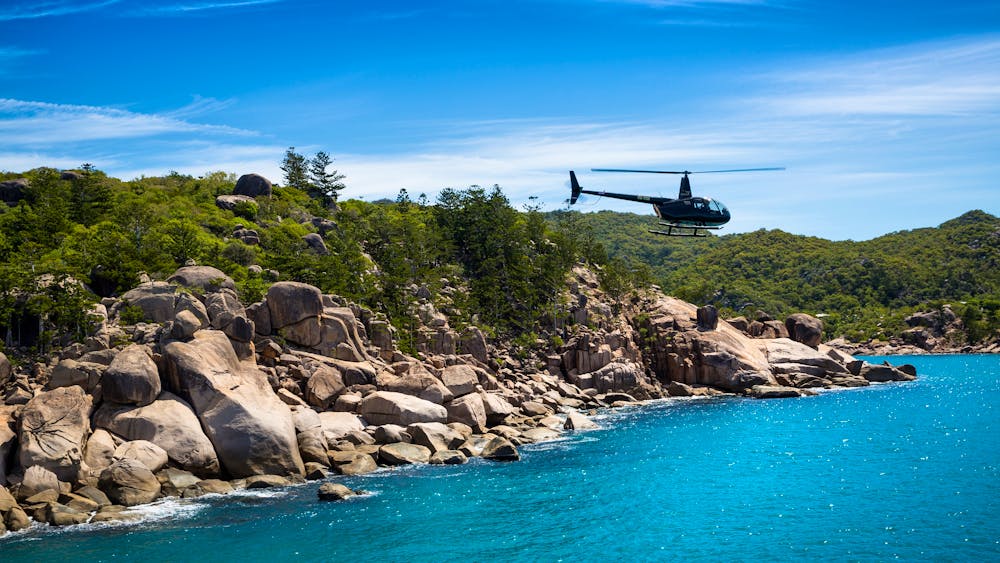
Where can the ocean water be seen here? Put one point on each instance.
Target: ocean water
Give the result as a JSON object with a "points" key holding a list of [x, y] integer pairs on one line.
{"points": [[895, 471]]}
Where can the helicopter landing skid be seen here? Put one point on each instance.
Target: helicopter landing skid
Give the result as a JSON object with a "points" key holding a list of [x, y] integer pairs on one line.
{"points": [[674, 230]]}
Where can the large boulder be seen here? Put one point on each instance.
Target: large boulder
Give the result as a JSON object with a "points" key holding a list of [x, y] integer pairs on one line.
{"points": [[168, 422], [323, 387], [54, 428], [100, 450], [460, 379], [229, 202], [128, 482], [470, 410], [8, 439], [132, 378], [336, 425], [203, 278], [155, 299], [253, 185], [388, 407], [805, 329], [12, 191], [435, 436], [144, 451], [251, 429], [292, 302], [402, 453], [788, 356]]}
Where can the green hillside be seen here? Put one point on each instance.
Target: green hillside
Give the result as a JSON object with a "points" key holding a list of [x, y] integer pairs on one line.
{"points": [[863, 289]]}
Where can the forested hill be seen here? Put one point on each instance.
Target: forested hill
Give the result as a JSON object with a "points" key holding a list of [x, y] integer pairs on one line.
{"points": [[70, 238], [864, 289]]}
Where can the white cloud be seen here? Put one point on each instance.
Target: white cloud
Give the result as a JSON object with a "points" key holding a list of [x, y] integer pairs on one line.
{"points": [[32, 123], [958, 77], [49, 8]]}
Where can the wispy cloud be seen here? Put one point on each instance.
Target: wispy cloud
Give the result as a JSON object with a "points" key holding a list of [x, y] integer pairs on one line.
{"points": [[32, 123], [959, 77], [194, 7], [34, 9]]}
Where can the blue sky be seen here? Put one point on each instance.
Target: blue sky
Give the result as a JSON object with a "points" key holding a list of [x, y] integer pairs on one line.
{"points": [[886, 114]]}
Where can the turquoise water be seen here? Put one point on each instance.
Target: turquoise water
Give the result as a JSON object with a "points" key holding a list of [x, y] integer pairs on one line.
{"points": [[909, 471]]}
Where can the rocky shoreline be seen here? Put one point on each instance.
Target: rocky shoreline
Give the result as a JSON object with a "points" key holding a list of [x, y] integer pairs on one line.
{"points": [[205, 394]]}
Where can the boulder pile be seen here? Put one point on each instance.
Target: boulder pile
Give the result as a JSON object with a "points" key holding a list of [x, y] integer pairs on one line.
{"points": [[206, 394]]}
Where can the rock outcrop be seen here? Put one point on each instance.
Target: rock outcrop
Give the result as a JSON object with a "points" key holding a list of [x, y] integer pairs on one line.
{"points": [[251, 429]]}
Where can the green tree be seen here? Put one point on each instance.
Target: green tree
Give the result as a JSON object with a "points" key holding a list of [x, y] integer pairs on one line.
{"points": [[295, 166], [323, 184]]}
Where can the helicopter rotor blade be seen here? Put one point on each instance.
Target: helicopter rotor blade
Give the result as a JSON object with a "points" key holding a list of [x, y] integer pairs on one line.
{"points": [[640, 171], [684, 171], [737, 170]]}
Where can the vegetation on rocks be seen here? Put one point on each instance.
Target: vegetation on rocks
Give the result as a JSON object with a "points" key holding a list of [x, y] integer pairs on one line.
{"points": [[862, 290]]}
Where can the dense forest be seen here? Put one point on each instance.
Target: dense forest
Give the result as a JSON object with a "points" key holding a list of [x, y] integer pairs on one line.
{"points": [[69, 238], [862, 290]]}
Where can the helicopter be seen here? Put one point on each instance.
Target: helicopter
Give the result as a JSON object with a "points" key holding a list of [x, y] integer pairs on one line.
{"points": [[683, 216]]}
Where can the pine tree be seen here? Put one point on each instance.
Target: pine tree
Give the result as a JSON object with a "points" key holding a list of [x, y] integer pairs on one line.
{"points": [[326, 185], [295, 168]]}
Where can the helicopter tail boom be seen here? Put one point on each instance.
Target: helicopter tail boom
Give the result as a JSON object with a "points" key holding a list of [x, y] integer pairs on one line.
{"points": [[574, 188]]}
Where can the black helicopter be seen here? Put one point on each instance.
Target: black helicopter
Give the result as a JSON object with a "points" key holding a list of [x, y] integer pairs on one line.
{"points": [[685, 216]]}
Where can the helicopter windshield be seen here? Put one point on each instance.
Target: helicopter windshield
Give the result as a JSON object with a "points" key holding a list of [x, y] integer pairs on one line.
{"points": [[716, 205]]}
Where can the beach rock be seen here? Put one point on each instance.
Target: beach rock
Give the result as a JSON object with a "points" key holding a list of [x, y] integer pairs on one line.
{"points": [[497, 408], [145, 452], [435, 436], [316, 471], [292, 302], [776, 392], [402, 454], [323, 387], [8, 438], [800, 357], [334, 491], [36, 480], [207, 487], [170, 423], [577, 421], [94, 494], [174, 481], [540, 434], [61, 515], [468, 409], [253, 185], [500, 449], [205, 279], [355, 463], [460, 379], [132, 377], [448, 457], [251, 429], [266, 481], [336, 425], [387, 407], [884, 373], [805, 329], [128, 482], [313, 446], [473, 446], [390, 434], [53, 430]]}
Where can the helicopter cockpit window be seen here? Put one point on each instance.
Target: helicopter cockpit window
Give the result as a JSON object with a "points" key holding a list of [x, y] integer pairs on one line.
{"points": [[717, 206], [699, 204]]}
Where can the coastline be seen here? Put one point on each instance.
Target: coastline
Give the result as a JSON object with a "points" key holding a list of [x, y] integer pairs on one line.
{"points": [[211, 396]]}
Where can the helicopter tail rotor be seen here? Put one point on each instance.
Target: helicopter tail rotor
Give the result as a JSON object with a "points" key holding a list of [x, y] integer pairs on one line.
{"points": [[575, 188]]}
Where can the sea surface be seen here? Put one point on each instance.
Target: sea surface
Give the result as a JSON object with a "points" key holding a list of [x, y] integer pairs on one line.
{"points": [[896, 471]]}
